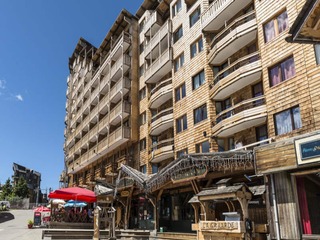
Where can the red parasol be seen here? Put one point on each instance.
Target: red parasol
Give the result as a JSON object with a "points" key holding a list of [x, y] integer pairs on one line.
{"points": [[74, 193], [42, 209]]}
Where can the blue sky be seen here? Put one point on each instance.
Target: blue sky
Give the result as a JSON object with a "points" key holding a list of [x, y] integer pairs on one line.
{"points": [[37, 38]]}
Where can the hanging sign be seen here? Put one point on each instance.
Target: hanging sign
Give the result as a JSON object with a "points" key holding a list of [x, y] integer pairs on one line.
{"points": [[308, 149]]}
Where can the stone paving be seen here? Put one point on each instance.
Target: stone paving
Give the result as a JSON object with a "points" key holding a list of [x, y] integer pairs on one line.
{"points": [[13, 226]]}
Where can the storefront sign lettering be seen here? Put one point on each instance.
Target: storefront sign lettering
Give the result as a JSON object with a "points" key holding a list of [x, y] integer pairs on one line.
{"points": [[219, 225], [308, 149]]}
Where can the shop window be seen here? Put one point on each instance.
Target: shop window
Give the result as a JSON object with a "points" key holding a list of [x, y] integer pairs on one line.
{"points": [[282, 71], [203, 147], [288, 120], [200, 114], [181, 124], [180, 92], [275, 26], [178, 62], [198, 80], [196, 47], [195, 16], [177, 34]]}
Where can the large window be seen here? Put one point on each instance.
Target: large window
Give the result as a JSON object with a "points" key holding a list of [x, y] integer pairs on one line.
{"points": [[178, 62], [203, 147], [180, 92], [181, 124], [275, 26], [282, 71], [288, 120], [200, 114], [195, 16], [177, 34], [196, 47], [198, 80], [176, 8]]}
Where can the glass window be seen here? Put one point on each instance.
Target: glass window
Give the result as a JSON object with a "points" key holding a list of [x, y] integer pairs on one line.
{"points": [[180, 92], [198, 80], [203, 147], [181, 124], [142, 118], [261, 133], [275, 26], [282, 71], [154, 168], [288, 120], [182, 152], [143, 144], [178, 62], [176, 8], [142, 93], [177, 34], [196, 47], [143, 168], [317, 53], [200, 114], [195, 16]]}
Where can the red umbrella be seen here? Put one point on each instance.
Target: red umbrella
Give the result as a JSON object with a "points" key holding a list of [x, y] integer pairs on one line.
{"points": [[42, 209], [74, 193]]}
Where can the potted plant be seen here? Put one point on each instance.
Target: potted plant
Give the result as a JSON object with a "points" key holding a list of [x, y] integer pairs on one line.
{"points": [[30, 223]]}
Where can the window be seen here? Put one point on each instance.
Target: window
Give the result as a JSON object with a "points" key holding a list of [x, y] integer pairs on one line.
{"points": [[261, 133], [282, 71], [317, 53], [180, 92], [275, 26], [225, 144], [178, 62], [142, 93], [176, 8], [182, 152], [177, 34], [200, 114], [195, 16], [143, 168], [196, 47], [287, 120], [142, 118], [203, 147], [143, 144], [141, 47], [181, 124], [155, 168], [198, 80], [141, 70]]}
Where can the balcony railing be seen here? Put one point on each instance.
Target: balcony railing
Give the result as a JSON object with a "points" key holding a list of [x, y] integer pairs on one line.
{"points": [[232, 26], [124, 60], [240, 107], [161, 114], [154, 18], [235, 66], [124, 83], [118, 134], [161, 93], [123, 40], [121, 108], [162, 150], [252, 145], [156, 39]]}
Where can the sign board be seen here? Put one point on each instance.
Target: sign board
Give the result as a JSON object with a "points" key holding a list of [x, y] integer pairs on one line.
{"points": [[308, 150], [37, 219], [222, 226]]}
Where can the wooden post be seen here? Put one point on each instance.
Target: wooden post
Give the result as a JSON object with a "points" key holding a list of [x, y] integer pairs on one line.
{"points": [[96, 224]]}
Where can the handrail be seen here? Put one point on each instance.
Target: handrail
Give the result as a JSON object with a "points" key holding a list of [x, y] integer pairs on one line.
{"points": [[162, 143], [268, 140], [161, 114], [233, 25], [253, 57], [240, 107]]}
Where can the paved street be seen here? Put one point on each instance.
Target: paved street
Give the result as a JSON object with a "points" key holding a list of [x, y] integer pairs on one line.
{"points": [[13, 225]]}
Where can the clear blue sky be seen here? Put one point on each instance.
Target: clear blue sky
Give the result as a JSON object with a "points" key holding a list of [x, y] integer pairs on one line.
{"points": [[37, 38]]}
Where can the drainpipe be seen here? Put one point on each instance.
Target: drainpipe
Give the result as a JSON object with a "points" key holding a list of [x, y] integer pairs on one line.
{"points": [[275, 208]]}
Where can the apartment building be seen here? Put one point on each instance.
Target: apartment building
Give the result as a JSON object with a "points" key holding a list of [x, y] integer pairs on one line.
{"points": [[216, 107]]}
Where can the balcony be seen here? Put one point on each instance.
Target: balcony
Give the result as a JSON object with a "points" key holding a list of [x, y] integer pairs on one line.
{"points": [[162, 151], [219, 12], [156, 39], [121, 88], [235, 36], [123, 63], [121, 111], [245, 71], [161, 122], [153, 24], [121, 45], [160, 67], [244, 115], [115, 139], [161, 93]]}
